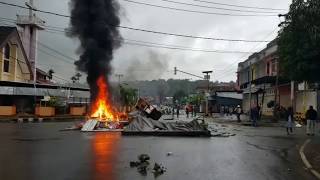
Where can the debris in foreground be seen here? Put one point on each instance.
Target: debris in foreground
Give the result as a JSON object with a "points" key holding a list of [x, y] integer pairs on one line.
{"points": [[143, 163], [158, 170]]}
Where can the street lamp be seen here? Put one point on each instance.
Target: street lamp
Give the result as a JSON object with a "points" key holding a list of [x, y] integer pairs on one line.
{"points": [[207, 77]]}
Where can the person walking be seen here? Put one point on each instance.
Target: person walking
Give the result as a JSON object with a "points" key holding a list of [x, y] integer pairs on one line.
{"points": [[238, 112], [290, 120], [311, 116]]}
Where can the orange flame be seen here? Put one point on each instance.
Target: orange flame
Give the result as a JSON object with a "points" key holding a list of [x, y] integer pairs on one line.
{"points": [[102, 107]]}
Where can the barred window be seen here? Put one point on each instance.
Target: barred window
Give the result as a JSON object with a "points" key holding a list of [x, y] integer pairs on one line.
{"points": [[6, 62]]}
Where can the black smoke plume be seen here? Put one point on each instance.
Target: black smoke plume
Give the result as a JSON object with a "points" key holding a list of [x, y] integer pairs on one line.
{"points": [[95, 23]]}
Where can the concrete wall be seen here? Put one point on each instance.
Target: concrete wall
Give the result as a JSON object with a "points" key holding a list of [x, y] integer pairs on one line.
{"points": [[7, 110], [78, 111], [304, 99], [45, 111], [285, 93]]}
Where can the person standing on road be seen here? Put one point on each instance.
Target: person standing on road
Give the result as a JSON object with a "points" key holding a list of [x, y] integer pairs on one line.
{"points": [[238, 112], [311, 116], [178, 109], [290, 120], [254, 116], [187, 111]]}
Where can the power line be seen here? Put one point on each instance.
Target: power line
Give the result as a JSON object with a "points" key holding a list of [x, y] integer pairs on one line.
{"points": [[219, 8], [200, 12], [56, 51], [182, 35], [62, 60], [167, 46], [191, 36], [158, 32], [236, 61], [38, 10], [141, 3], [184, 49], [239, 6]]}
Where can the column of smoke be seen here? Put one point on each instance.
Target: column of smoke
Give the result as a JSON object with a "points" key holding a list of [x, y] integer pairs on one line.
{"points": [[94, 23]]}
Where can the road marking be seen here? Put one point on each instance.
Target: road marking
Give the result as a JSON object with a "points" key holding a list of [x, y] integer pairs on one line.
{"points": [[305, 160]]}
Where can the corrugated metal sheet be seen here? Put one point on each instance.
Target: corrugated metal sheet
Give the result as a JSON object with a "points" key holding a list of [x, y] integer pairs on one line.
{"points": [[26, 91], [233, 95]]}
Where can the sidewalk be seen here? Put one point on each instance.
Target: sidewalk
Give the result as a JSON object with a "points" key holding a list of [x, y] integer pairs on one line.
{"points": [[312, 151], [232, 119], [56, 118]]}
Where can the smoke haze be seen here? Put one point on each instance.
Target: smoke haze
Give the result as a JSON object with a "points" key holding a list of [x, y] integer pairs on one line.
{"points": [[152, 66]]}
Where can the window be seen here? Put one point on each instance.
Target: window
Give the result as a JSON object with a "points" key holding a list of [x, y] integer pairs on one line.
{"points": [[268, 68], [6, 61]]}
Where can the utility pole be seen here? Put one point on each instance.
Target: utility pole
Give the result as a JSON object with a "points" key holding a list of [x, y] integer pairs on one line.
{"points": [[250, 93], [292, 95], [207, 77], [119, 76], [276, 91]]}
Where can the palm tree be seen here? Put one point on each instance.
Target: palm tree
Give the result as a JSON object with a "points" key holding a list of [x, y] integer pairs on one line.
{"points": [[74, 79], [78, 75], [50, 74]]}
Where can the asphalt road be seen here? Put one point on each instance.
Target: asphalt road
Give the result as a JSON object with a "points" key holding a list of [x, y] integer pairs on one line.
{"points": [[39, 151]]}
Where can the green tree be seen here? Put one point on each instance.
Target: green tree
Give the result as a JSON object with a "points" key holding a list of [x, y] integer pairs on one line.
{"points": [[179, 96], [299, 41], [196, 99], [74, 79], [128, 95]]}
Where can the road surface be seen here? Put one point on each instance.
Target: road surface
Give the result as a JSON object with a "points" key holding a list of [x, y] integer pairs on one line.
{"points": [[40, 151]]}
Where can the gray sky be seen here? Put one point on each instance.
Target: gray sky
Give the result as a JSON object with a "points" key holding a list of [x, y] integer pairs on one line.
{"points": [[165, 20]]}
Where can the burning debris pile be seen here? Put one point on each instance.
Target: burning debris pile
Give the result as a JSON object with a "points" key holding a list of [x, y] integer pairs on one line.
{"points": [[142, 125], [95, 24], [146, 121]]}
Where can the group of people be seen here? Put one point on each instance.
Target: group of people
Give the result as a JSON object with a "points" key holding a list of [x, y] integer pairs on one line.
{"points": [[190, 109], [311, 117]]}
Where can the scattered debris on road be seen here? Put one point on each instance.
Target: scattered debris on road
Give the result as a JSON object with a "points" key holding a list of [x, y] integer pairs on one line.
{"points": [[143, 163], [158, 170]]}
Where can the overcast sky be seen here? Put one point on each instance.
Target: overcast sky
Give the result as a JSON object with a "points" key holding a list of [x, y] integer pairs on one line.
{"points": [[164, 20]]}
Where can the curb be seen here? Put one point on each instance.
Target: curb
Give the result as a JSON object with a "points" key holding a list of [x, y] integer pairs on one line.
{"points": [[305, 160]]}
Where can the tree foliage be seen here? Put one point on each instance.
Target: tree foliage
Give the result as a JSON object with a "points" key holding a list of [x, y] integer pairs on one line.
{"points": [[128, 96], [196, 99], [179, 96], [299, 41]]}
